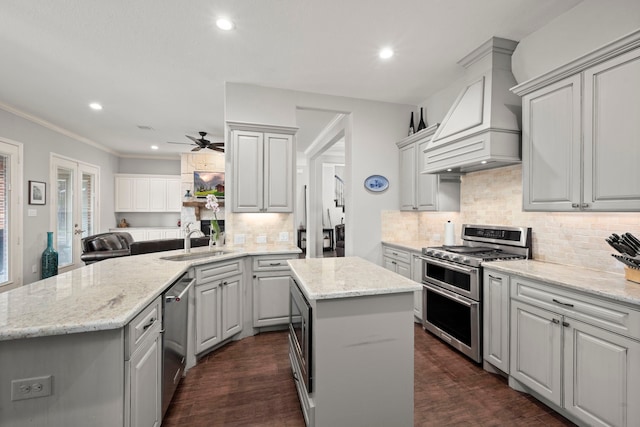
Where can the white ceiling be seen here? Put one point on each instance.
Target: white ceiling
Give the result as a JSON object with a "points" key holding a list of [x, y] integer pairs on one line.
{"points": [[163, 63]]}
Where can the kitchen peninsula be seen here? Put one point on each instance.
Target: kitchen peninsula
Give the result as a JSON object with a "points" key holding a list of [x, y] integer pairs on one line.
{"points": [[84, 347], [361, 356]]}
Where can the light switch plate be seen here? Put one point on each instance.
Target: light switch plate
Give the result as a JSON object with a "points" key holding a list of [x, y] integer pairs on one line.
{"points": [[32, 212], [284, 236], [261, 239]]}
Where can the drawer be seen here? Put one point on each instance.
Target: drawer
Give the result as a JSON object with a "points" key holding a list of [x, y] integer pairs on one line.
{"points": [[146, 323], [399, 254], [271, 262], [213, 271], [606, 314]]}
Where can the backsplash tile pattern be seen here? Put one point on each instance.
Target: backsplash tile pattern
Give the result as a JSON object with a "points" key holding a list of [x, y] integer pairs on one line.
{"points": [[253, 225], [495, 197]]}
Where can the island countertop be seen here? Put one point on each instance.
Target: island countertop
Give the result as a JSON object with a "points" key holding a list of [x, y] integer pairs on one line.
{"points": [[343, 277], [104, 295]]}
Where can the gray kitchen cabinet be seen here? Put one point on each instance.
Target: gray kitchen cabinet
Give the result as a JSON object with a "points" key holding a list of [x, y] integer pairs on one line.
{"points": [[495, 322], [397, 260], [271, 277], [263, 168], [143, 368], [577, 352], [580, 128], [218, 303], [416, 276], [424, 192]]}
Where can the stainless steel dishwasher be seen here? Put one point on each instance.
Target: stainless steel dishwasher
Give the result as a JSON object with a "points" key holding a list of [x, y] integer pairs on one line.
{"points": [[174, 339]]}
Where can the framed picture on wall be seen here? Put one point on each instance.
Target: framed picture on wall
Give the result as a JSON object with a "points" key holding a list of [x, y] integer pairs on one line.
{"points": [[37, 193]]}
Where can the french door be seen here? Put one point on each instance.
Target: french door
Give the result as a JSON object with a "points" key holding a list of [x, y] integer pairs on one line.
{"points": [[74, 208], [11, 206]]}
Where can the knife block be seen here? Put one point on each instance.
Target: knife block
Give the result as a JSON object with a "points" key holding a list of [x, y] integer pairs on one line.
{"points": [[632, 274]]}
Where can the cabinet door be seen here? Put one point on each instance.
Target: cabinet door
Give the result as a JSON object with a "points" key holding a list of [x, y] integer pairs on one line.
{"points": [[601, 375], [536, 350], [157, 194], [123, 194], [495, 323], [173, 195], [278, 173], [155, 234], [551, 141], [403, 269], [611, 134], [232, 297], [141, 194], [271, 299], [139, 235], [247, 158], [408, 178], [208, 316], [427, 184], [145, 392], [389, 264], [416, 276], [171, 234]]}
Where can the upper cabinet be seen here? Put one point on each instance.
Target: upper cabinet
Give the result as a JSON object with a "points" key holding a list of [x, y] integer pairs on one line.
{"points": [[580, 139], [419, 191], [263, 167], [147, 193]]}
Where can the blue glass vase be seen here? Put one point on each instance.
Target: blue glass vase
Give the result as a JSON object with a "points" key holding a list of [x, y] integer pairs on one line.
{"points": [[49, 258]]}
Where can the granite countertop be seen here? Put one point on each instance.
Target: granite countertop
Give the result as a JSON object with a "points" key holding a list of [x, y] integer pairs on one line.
{"points": [[412, 245], [104, 295], [343, 277], [599, 283]]}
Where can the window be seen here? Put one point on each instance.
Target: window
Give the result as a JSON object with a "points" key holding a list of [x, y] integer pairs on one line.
{"points": [[10, 209]]}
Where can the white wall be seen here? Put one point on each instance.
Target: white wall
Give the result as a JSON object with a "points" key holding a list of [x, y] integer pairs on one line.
{"points": [[38, 143], [375, 127]]}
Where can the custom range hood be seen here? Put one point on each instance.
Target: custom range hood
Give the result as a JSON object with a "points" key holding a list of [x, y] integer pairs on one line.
{"points": [[481, 130]]}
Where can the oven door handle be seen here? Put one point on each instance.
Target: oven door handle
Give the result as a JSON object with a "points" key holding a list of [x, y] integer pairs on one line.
{"points": [[450, 265], [450, 295]]}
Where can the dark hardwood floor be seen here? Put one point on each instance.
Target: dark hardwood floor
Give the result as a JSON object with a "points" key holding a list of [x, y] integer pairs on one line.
{"points": [[249, 383]]}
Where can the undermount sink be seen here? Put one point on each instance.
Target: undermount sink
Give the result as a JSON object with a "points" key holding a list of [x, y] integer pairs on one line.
{"points": [[196, 255]]}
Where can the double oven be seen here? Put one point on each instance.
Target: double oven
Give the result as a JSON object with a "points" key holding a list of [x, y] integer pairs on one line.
{"points": [[452, 282]]}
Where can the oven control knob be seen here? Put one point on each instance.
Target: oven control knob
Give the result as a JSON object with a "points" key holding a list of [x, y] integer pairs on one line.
{"points": [[455, 258], [445, 256], [429, 252]]}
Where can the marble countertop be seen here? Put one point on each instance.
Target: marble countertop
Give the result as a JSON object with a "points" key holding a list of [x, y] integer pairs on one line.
{"points": [[104, 295], [411, 245], [343, 277], [599, 283]]}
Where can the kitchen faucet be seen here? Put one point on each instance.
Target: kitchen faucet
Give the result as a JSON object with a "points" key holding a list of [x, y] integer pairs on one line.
{"points": [[187, 237]]}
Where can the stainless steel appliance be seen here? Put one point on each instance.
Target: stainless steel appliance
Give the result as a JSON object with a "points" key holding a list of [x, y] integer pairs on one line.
{"points": [[300, 333], [174, 338], [452, 282]]}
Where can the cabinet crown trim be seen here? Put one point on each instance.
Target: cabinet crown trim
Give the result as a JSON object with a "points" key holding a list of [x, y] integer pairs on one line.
{"points": [[610, 50], [424, 134], [258, 127]]}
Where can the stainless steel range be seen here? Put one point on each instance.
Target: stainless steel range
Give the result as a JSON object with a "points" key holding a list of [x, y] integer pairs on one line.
{"points": [[452, 281]]}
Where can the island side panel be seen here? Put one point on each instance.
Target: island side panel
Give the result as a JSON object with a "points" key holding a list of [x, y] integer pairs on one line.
{"points": [[363, 360], [87, 372]]}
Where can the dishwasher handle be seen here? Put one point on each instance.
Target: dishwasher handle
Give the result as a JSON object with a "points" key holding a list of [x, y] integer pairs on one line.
{"points": [[176, 298]]}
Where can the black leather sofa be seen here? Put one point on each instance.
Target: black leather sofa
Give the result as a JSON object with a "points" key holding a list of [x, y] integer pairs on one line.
{"points": [[118, 244], [340, 240]]}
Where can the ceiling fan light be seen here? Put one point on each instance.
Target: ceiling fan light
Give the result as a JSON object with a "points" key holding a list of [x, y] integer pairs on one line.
{"points": [[224, 24]]}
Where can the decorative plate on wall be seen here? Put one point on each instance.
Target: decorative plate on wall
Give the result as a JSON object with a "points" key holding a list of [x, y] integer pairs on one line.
{"points": [[376, 183]]}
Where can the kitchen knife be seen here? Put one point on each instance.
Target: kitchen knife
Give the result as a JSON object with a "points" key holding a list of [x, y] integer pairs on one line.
{"points": [[614, 245], [621, 247], [630, 243], [634, 239], [626, 261]]}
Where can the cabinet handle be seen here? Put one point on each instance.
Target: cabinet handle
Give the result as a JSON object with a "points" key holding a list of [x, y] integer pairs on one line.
{"points": [[414, 208], [495, 277], [565, 324], [274, 264], [393, 262], [224, 283], [584, 205], [148, 325], [575, 205], [566, 304], [556, 321]]}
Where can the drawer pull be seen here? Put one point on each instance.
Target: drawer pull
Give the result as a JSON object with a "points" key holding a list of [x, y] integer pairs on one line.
{"points": [[495, 277], [566, 304], [274, 264], [148, 325], [565, 324], [556, 321]]}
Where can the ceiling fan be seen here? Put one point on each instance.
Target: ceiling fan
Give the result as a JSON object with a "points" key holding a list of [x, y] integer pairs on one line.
{"points": [[201, 143]]}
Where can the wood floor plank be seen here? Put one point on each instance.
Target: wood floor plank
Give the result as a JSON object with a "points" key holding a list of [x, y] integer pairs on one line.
{"points": [[249, 383]]}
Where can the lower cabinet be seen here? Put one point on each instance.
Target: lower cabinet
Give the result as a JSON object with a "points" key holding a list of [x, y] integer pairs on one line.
{"points": [[416, 276], [407, 264], [271, 276], [564, 349], [495, 319]]}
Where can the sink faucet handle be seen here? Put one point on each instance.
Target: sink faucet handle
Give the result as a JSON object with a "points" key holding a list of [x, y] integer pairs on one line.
{"points": [[188, 226]]}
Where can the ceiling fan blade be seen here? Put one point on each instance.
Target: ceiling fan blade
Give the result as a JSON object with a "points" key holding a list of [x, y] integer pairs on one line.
{"points": [[197, 141], [181, 143], [196, 149], [211, 147]]}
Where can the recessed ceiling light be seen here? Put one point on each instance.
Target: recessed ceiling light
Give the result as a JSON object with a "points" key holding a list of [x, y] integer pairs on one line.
{"points": [[95, 106], [484, 162], [224, 24], [154, 147], [386, 53]]}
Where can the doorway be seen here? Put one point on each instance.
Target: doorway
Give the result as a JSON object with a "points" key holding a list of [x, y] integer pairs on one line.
{"points": [[74, 208]]}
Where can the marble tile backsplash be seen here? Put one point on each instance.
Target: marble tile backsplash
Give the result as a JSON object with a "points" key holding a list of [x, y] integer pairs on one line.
{"points": [[495, 197]]}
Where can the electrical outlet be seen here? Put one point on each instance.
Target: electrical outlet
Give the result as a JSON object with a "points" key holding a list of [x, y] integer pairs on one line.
{"points": [[261, 239], [284, 236], [30, 388], [238, 239]]}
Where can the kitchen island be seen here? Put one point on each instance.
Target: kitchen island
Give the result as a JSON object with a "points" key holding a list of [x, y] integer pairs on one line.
{"points": [[361, 358], [84, 347]]}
